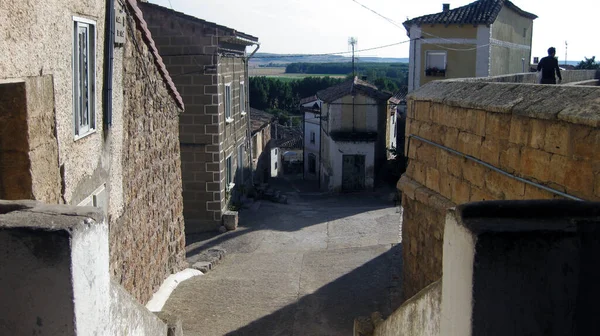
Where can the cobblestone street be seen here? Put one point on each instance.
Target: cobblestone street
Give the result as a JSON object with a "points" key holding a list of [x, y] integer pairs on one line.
{"points": [[306, 268]]}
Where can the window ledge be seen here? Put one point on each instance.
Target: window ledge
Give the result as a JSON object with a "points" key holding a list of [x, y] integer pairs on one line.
{"points": [[228, 120], [243, 113], [85, 135]]}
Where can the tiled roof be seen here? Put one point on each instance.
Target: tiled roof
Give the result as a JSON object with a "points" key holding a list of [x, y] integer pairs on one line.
{"points": [[147, 36], [295, 142], [349, 87], [479, 12], [231, 31], [308, 99], [259, 119]]}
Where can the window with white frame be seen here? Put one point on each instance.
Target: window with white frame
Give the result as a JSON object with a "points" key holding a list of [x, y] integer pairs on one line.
{"points": [[242, 98], [84, 76], [227, 99], [436, 60]]}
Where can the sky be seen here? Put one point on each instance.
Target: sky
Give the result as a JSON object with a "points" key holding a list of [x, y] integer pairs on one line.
{"points": [[324, 26]]}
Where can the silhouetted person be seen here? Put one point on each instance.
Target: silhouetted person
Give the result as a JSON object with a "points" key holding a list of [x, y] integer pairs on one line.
{"points": [[548, 65]]}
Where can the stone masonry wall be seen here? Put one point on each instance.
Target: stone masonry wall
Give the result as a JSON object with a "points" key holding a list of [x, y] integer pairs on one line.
{"points": [[546, 134], [190, 49], [149, 237]]}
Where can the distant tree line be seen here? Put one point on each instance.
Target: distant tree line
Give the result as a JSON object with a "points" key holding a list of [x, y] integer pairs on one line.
{"points": [[387, 76], [267, 93], [588, 63]]}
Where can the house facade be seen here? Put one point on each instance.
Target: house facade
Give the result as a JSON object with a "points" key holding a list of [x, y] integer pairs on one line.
{"points": [[210, 68], [481, 39], [311, 108], [353, 135], [65, 84]]}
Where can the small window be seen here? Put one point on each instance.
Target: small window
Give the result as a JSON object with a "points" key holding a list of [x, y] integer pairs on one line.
{"points": [[228, 172], [84, 76], [524, 32], [312, 163], [242, 98], [228, 102], [275, 164], [436, 60], [312, 137], [275, 151]]}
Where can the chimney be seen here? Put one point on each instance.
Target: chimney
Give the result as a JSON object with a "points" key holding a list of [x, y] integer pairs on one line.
{"points": [[446, 7]]}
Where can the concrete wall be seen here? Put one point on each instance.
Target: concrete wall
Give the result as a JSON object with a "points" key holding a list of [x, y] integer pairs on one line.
{"points": [[206, 139], [55, 279], [511, 36], [419, 316], [148, 240], [545, 134]]}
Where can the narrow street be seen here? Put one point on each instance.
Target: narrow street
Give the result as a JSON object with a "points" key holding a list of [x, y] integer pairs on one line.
{"points": [[304, 268]]}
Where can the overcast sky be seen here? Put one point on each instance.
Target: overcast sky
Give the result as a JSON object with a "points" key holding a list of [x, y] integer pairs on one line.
{"points": [[323, 26]]}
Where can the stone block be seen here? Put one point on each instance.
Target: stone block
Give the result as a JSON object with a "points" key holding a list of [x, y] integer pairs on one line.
{"points": [[446, 184], [538, 133], [558, 169], [497, 126], [474, 173], [557, 138], [535, 164], [585, 142], [419, 172], [469, 144], [510, 158], [408, 186], [504, 187], [450, 137], [476, 122], [422, 111], [415, 125], [490, 151], [520, 130], [427, 154], [461, 191], [455, 165], [481, 194], [410, 109], [433, 179], [579, 177], [532, 192]]}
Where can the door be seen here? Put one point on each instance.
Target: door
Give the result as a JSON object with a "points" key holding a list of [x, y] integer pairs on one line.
{"points": [[353, 172]]}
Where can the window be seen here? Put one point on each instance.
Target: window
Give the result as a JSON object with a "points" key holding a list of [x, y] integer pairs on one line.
{"points": [[275, 164], [242, 99], [312, 163], [84, 76], [228, 172], [227, 98], [312, 137], [524, 32], [275, 151], [435, 63]]}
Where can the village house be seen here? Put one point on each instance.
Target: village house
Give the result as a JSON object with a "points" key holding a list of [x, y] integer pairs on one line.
{"points": [[396, 130], [353, 135], [91, 118], [483, 38], [263, 126], [311, 109], [209, 65]]}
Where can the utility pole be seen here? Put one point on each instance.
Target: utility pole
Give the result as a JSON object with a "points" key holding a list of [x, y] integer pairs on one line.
{"points": [[353, 41], [566, 46]]}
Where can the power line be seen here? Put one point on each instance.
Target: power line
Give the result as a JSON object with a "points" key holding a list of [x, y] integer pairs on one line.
{"points": [[380, 15]]}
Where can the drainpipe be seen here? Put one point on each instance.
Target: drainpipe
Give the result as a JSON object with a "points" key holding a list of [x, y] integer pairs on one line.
{"points": [[249, 124], [108, 62]]}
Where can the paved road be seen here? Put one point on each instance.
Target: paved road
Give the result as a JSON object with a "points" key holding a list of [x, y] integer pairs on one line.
{"points": [[306, 268]]}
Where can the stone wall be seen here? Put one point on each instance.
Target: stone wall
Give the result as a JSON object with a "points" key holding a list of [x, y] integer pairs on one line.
{"points": [[148, 241], [549, 135], [190, 46]]}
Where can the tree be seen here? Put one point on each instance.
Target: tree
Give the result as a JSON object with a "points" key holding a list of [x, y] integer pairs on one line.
{"points": [[588, 63]]}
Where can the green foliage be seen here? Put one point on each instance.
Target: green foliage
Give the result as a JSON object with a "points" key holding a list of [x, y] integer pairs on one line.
{"points": [[274, 94], [588, 64]]}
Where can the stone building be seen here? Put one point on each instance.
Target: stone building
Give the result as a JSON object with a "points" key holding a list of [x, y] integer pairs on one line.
{"points": [[209, 66], [262, 131], [65, 84], [311, 108], [353, 134], [483, 38]]}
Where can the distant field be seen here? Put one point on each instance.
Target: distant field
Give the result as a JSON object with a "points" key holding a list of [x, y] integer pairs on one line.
{"points": [[280, 73]]}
